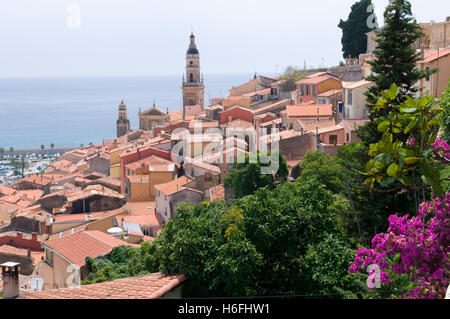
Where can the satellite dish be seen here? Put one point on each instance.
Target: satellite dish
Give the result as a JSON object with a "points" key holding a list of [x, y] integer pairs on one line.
{"points": [[115, 230]]}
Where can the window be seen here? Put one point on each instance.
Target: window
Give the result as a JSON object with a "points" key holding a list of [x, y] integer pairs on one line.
{"points": [[49, 256], [314, 90], [348, 137], [191, 77], [350, 97], [301, 90], [307, 90], [427, 78], [333, 139]]}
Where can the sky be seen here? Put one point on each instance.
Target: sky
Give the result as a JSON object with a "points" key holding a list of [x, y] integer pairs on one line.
{"points": [[95, 38]]}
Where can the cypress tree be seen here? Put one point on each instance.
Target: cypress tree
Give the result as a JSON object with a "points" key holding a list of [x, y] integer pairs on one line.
{"points": [[354, 29]]}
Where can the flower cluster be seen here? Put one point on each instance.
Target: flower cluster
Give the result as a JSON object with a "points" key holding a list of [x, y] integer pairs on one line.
{"points": [[418, 246], [442, 148]]}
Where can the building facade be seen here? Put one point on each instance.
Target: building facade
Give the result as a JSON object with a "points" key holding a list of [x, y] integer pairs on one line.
{"points": [[152, 118], [123, 123], [193, 88]]}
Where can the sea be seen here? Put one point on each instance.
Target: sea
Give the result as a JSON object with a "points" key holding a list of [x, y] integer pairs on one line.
{"points": [[75, 111]]}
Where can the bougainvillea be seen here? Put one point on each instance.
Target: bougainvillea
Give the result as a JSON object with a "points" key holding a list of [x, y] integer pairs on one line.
{"points": [[417, 246]]}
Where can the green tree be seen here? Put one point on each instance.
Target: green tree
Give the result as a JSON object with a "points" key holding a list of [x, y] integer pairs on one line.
{"points": [[246, 177], [361, 213], [445, 114], [52, 146], [395, 62], [354, 29], [324, 168], [11, 149], [412, 165], [292, 75], [257, 246], [2, 151]]}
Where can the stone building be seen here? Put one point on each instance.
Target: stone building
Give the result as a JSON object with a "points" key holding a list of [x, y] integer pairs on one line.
{"points": [[123, 123], [152, 118], [193, 88]]}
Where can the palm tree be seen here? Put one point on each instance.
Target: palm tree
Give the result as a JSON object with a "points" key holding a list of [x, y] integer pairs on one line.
{"points": [[52, 146], [23, 165], [42, 147], [11, 149]]}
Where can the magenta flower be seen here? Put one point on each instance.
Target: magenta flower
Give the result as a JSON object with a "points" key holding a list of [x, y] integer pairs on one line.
{"points": [[419, 246]]}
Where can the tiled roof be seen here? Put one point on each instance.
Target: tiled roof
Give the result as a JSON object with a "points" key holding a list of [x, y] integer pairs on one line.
{"points": [[330, 129], [299, 110], [78, 246], [6, 190], [238, 123], [173, 186], [139, 179], [203, 124], [316, 79], [434, 55], [150, 286], [147, 219], [329, 93], [353, 85], [217, 192], [140, 208], [353, 124], [311, 126]]}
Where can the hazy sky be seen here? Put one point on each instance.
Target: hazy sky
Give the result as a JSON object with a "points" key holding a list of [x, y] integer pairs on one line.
{"points": [[148, 37]]}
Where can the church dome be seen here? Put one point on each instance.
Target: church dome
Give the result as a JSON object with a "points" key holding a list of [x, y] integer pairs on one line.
{"points": [[192, 51]]}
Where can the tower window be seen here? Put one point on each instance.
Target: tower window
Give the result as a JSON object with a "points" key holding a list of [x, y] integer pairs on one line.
{"points": [[192, 62], [191, 77]]}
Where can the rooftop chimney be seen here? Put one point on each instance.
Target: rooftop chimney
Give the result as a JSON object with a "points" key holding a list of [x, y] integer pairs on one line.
{"points": [[10, 277]]}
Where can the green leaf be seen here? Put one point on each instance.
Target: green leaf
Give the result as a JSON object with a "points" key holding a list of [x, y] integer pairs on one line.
{"points": [[444, 173], [392, 170], [383, 126], [387, 181], [411, 160], [393, 91], [409, 110]]}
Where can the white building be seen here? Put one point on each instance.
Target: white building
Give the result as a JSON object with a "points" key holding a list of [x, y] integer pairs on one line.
{"points": [[355, 100]]}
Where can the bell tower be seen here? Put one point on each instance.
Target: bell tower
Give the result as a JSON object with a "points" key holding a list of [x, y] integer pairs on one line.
{"points": [[193, 88], [123, 123]]}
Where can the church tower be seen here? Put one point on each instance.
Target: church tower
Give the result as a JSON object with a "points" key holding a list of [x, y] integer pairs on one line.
{"points": [[193, 88], [123, 123]]}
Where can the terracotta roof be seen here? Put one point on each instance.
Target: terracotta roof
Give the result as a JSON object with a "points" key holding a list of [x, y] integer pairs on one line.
{"points": [[317, 78], [173, 186], [139, 179], [6, 190], [217, 192], [311, 126], [150, 286], [434, 55], [147, 219], [203, 124], [330, 129], [238, 123], [329, 93], [36, 255], [352, 124], [140, 208], [147, 161], [76, 247], [353, 85], [299, 110], [271, 106]]}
